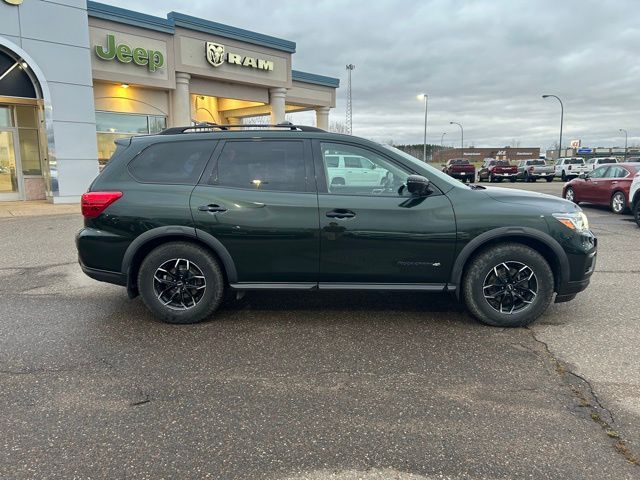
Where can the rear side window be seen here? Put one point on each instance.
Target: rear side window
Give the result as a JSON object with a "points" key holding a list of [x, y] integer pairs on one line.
{"points": [[262, 165], [352, 162], [172, 162], [332, 161]]}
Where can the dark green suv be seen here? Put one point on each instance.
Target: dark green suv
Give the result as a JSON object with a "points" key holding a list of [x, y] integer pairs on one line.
{"points": [[192, 213]]}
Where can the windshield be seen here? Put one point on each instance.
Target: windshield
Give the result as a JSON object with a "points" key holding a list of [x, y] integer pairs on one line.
{"points": [[575, 161], [608, 160], [433, 172], [459, 161], [536, 162], [503, 163]]}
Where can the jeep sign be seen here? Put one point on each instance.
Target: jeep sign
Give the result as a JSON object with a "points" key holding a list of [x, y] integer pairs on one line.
{"points": [[152, 59]]}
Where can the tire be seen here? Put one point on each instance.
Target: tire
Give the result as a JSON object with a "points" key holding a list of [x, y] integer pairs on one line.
{"points": [[520, 261], [636, 213], [563, 176], [618, 203], [534, 179], [512, 179], [194, 266], [492, 179], [526, 177], [570, 194], [549, 179]]}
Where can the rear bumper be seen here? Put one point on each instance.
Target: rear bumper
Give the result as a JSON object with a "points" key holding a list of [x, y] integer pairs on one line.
{"points": [[117, 278]]}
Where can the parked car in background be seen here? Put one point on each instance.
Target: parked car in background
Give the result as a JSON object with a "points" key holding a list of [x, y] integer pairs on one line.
{"points": [[632, 160], [532, 169], [497, 170], [606, 185], [353, 170], [461, 169], [570, 167], [634, 196], [592, 163]]}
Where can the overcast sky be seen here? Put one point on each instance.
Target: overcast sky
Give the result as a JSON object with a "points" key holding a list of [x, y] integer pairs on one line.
{"points": [[484, 63]]}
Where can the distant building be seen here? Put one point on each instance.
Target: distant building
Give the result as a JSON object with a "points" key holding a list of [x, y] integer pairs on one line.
{"points": [[587, 152], [478, 154]]}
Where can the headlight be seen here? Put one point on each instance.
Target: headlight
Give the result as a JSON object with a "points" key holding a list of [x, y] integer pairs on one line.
{"points": [[575, 221]]}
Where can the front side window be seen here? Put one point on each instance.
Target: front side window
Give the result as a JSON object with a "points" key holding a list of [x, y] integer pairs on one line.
{"points": [[374, 175], [172, 163], [277, 165], [598, 172]]}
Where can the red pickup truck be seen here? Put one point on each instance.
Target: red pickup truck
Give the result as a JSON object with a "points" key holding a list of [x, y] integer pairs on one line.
{"points": [[495, 170], [461, 169]]}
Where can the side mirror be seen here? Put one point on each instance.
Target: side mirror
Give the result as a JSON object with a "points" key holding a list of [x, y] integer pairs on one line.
{"points": [[373, 166], [418, 186], [583, 176]]}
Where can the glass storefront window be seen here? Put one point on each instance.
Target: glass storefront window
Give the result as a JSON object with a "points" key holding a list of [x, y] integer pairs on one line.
{"points": [[110, 126], [30, 151], [6, 119], [27, 117]]}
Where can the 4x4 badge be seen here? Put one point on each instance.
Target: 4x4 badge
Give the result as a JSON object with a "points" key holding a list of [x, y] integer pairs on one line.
{"points": [[215, 54]]}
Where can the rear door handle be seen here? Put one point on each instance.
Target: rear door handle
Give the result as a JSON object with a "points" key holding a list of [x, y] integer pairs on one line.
{"points": [[212, 208], [340, 213]]}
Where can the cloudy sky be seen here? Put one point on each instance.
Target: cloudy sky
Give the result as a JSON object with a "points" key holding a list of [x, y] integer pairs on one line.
{"points": [[483, 63]]}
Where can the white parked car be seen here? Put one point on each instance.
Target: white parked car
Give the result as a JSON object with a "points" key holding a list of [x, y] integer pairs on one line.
{"points": [[634, 197], [353, 170], [592, 163], [570, 167]]}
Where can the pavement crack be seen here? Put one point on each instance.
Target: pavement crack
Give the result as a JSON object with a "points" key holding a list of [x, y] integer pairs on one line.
{"points": [[589, 405]]}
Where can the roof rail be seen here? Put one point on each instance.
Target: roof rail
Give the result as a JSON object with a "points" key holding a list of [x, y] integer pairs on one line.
{"points": [[214, 127]]}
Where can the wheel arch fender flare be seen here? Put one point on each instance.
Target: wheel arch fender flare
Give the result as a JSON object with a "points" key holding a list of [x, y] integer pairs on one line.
{"points": [[513, 234], [176, 232]]}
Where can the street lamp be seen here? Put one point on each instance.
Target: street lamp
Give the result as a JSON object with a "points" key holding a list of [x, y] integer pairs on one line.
{"points": [[622, 130], [442, 138], [561, 121], [461, 137], [424, 147]]}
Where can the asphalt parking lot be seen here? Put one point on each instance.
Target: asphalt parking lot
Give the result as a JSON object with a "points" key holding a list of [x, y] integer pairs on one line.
{"points": [[291, 386]]}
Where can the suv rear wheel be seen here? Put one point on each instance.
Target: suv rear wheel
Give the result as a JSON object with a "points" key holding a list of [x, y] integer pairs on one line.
{"points": [[181, 282], [508, 285]]}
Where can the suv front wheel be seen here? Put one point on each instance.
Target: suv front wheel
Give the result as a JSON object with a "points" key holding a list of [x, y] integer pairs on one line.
{"points": [[508, 285], [181, 282]]}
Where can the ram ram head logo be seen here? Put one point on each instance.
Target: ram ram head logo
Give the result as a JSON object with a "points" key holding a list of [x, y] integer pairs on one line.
{"points": [[215, 54]]}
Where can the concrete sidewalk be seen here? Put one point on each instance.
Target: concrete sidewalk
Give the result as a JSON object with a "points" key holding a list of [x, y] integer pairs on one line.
{"points": [[35, 209]]}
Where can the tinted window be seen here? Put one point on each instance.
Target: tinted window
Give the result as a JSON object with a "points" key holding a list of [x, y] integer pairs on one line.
{"points": [[536, 162], [502, 163], [575, 161], [607, 160], [172, 162], [459, 161], [616, 172], [332, 161], [263, 165], [352, 162]]}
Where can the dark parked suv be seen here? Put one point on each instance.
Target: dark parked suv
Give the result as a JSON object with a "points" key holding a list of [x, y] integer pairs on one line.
{"points": [[187, 215]]}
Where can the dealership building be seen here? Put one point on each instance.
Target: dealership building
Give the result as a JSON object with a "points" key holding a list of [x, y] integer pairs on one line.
{"points": [[76, 75]]}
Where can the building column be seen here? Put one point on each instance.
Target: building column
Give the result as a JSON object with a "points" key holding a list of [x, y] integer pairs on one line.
{"points": [[322, 118], [277, 98], [233, 121], [181, 101]]}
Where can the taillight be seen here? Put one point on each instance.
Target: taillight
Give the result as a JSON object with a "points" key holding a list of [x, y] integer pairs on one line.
{"points": [[94, 203], [531, 169], [569, 167]]}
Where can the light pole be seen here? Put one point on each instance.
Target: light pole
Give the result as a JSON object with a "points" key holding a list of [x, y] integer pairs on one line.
{"points": [[461, 138], [442, 138], [622, 130], [424, 146], [561, 121]]}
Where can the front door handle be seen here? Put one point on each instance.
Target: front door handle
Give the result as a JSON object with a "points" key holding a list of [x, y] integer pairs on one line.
{"points": [[340, 213], [212, 208]]}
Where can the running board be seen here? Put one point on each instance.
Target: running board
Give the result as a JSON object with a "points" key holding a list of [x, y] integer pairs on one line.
{"points": [[406, 287]]}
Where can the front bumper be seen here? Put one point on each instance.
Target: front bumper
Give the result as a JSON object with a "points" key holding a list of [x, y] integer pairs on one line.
{"points": [[582, 268]]}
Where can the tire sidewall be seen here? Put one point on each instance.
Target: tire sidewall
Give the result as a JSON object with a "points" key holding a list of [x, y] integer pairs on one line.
{"points": [[624, 203], [205, 262], [474, 281]]}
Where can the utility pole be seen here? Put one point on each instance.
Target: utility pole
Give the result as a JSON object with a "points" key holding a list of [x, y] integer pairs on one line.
{"points": [[349, 125], [561, 120], [622, 130]]}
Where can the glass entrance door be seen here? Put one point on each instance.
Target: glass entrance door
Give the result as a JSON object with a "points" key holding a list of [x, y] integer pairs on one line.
{"points": [[9, 166]]}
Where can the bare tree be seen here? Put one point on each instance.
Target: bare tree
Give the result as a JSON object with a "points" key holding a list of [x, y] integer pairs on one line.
{"points": [[336, 126]]}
